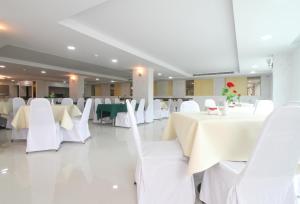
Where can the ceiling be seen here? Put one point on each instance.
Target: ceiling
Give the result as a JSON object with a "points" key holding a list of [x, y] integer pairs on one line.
{"points": [[176, 38]]}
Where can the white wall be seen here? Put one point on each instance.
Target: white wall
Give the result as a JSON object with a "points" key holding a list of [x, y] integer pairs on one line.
{"points": [[219, 85], [125, 89], [87, 90], [266, 86], [162, 88]]}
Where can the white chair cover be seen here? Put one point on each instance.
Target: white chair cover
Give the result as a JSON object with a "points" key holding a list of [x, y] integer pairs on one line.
{"points": [[189, 107], [166, 112], [122, 119], [139, 114], [18, 134], [210, 103], [97, 102], [117, 101], [43, 132], [157, 110], [179, 102], [161, 173], [172, 106], [80, 131], [149, 115], [10, 115], [29, 101], [67, 101], [268, 176], [263, 107], [80, 104], [91, 117], [107, 101]]}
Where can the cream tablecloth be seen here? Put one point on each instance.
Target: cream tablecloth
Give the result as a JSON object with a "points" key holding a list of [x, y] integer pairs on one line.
{"points": [[5, 107], [208, 139], [62, 114]]}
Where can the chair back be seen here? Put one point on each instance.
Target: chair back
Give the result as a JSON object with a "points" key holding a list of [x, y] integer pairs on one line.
{"points": [[189, 107], [86, 112], [17, 103], [263, 107], [41, 120], [97, 102], [141, 106], [270, 171], [179, 102], [107, 101], [29, 101], [133, 104], [80, 104], [117, 101], [134, 128], [171, 105], [149, 114], [67, 101], [210, 103], [156, 105]]}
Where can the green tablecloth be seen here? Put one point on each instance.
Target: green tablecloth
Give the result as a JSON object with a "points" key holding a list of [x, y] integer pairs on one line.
{"points": [[111, 110]]}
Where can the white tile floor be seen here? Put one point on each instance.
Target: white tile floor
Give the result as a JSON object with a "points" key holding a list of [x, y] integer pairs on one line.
{"points": [[98, 172]]}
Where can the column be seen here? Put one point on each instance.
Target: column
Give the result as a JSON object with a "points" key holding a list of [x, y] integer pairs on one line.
{"points": [[142, 81], [76, 86]]}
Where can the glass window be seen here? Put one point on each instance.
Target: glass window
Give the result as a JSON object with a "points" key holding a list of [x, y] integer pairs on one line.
{"points": [[189, 87]]}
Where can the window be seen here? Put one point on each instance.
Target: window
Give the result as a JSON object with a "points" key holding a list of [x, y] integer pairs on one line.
{"points": [[254, 86], [189, 87]]}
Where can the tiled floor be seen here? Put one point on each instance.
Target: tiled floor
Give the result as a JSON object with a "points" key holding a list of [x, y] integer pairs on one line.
{"points": [[98, 172]]}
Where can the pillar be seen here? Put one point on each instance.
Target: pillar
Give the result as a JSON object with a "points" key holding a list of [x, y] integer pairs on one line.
{"points": [[76, 86], [142, 81]]}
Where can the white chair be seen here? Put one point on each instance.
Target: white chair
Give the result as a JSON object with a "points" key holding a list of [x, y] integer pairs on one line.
{"points": [[59, 100], [157, 110], [91, 117], [139, 114], [67, 101], [80, 131], [96, 103], [189, 107], [210, 103], [166, 112], [10, 115], [29, 101], [43, 132], [107, 101], [171, 105], [161, 173], [122, 119], [18, 134], [149, 115], [80, 104], [263, 107], [179, 102], [267, 178], [117, 101]]}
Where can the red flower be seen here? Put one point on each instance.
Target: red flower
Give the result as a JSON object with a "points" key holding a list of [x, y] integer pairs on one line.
{"points": [[230, 84], [234, 91], [239, 95]]}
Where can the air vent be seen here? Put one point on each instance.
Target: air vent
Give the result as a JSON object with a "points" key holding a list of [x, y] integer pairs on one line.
{"points": [[212, 74]]}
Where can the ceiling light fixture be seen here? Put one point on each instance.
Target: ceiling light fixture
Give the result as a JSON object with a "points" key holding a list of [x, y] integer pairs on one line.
{"points": [[114, 60], [12, 80], [96, 55], [112, 81], [115, 187], [266, 37], [43, 72], [97, 79], [70, 47], [3, 27], [159, 74], [2, 66], [170, 77]]}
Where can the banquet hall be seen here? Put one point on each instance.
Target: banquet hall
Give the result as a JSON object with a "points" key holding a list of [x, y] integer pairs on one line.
{"points": [[150, 102]]}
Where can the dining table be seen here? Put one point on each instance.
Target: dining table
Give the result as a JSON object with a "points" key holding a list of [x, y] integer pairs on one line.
{"points": [[208, 139], [62, 114], [111, 110]]}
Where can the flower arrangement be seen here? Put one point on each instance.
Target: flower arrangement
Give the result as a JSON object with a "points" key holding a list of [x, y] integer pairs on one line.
{"points": [[52, 95], [231, 94]]}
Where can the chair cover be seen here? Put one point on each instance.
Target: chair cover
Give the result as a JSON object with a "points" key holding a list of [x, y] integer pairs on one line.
{"points": [[122, 119], [10, 116], [96, 103], [43, 132], [18, 134], [179, 102], [161, 173], [268, 176], [80, 104], [29, 101], [107, 101], [210, 103], [157, 110], [67, 101], [149, 116], [189, 107], [263, 107], [80, 131], [139, 114]]}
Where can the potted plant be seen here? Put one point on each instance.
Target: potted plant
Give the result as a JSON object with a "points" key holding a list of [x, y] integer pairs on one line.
{"points": [[52, 96], [231, 94]]}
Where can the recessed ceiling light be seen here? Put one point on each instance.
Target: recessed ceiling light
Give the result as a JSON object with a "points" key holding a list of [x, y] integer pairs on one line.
{"points": [[2, 66], [115, 187], [3, 27], [96, 55], [159, 74], [43, 72], [255, 66], [64, 82], [97, 79], [70, 47], [266, 37], [253, 72], [114, 60], [12, 80], [170, 77], [112, 81]]}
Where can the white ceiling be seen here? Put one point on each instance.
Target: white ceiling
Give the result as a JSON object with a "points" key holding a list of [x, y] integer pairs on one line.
{"points": [[177, 38]]}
